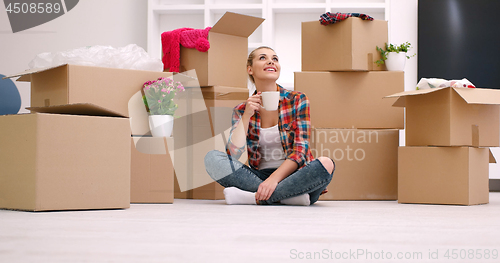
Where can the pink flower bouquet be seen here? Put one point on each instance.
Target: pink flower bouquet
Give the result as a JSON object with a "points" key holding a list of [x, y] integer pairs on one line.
{"points": [[159, 96]]}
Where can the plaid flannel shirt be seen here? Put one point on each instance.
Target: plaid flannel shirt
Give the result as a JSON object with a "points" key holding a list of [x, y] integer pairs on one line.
{"points": [[294, 127]]}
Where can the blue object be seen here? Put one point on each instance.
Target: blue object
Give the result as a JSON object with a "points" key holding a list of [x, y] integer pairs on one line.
{"points": [[10, 99]]}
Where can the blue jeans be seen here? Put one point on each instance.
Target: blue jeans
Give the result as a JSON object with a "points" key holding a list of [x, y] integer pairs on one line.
{"points": [[228, 172]]}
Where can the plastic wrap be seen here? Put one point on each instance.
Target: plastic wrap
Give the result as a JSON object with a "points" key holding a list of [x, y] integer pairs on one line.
{"points": [[429, 83], [128, 57]]}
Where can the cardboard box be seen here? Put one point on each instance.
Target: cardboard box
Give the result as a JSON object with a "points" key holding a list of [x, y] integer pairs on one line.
{"points": [[349, 45], [451, 117], [211, 191], [152, 171], [178, 194], [352, 99], [64, 162], [109, 88], [443, 175], [205, 126], [228, 42], [366, 162]]}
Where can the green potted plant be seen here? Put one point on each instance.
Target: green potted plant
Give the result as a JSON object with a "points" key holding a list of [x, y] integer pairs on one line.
{"points": [[159, 100], [394, 56]]}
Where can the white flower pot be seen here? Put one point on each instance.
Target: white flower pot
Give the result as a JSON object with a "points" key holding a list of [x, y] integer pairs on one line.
{"points": [[161, 125], [395, 61]]}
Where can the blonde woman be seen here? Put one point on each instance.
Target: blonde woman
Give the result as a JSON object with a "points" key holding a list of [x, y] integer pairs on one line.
{"points": [[281, 167]]}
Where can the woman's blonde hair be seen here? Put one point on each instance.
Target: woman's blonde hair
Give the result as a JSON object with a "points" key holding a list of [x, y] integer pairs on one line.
{"points": [[251, 56]]}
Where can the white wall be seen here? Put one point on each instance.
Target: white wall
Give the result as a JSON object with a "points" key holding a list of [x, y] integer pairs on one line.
{"points": [[402, 28], [403, 22], [92, 22]]}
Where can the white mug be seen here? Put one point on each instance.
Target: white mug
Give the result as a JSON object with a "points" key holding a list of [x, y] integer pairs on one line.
{"points": [[270, 100]]}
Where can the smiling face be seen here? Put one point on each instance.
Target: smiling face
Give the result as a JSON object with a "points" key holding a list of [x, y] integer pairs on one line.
{"points": [[263, 65]]}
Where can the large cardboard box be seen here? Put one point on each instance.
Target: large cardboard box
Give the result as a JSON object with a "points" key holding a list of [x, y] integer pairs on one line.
{"points": [[110, 88], [349, 45], [64, 162], [352, 99], [443, 175], [225, 62], [451, 117], [204, 127], [152, 172], [365, 162]]}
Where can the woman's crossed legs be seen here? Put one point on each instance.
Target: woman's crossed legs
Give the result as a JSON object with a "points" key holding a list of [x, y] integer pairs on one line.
{"points": [[312, 179]]}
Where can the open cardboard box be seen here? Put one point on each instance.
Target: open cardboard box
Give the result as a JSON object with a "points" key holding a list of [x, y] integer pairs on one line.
{"points": [[224, 63], [443, 175], [53, 160], [451, 116], [366, 162], [110, 88], [348, 45], [352, 99], [152, 171]]}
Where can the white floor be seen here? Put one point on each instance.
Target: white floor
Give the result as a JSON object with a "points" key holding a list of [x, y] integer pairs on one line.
{"points": [[210, 231]]}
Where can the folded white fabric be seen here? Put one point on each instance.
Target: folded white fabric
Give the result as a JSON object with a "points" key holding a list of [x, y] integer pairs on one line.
{"points": [[430, 83]]}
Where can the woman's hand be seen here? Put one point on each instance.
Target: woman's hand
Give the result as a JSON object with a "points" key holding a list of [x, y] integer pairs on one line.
{"points": [[266, 189], [253, 104]]}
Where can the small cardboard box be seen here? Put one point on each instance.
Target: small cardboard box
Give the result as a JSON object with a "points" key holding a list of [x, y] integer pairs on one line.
{"points": [[225, 62], [366, 162], [451, 116], [110, 88], [64, 162], [204, 127], [443, 175], [348, 45], [152, 171], [352, 99]]}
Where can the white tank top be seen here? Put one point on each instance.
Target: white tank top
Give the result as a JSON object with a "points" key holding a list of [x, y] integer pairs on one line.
{"points": [[270, 149]]}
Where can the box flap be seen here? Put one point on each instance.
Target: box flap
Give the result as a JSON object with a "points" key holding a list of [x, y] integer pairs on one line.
{"points": [[413, 92], [492, 157], [224, 93], [76, 109], [471, 96], [23, 75], [236, 24], [479, 96], [400, 102]]}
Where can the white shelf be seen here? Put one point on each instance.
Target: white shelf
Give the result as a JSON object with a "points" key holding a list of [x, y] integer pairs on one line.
{"points": [[178, 9], [299, 8], [225, 7], [280, 30]]}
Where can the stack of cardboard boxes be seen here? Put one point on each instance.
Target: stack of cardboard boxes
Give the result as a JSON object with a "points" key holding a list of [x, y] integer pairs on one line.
{"points": [[73, 151], [352, 123], [221, 74], [446, 159]]}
